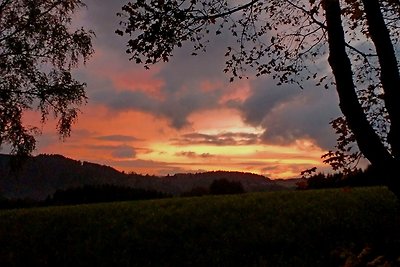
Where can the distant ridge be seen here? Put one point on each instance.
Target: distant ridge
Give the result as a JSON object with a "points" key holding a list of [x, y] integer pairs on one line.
{"points": [[42, 175]]}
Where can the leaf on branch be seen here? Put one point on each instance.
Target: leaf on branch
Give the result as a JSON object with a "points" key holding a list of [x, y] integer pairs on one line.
{"points": [[119, 32]]}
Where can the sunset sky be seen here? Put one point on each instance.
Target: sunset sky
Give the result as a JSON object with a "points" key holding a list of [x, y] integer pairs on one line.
{"points": [[185, 115]]}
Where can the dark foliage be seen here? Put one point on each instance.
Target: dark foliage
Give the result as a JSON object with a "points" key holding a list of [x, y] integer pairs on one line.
{"points": [[38, 50], [224, 187], [85, 195], [367, 177], [251, 182]]}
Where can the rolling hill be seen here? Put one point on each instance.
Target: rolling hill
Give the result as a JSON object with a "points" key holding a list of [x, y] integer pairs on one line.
{"points": [[42, 175]]}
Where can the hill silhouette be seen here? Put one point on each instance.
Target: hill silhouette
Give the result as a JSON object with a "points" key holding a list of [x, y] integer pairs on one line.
{"points": [[42, 175]]}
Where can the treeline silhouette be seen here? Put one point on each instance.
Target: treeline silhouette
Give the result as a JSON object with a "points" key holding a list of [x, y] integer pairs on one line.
{"points": [[101, 193], [84, 195], [357, 178], [110, 193], [42, 175], [217, 187]]}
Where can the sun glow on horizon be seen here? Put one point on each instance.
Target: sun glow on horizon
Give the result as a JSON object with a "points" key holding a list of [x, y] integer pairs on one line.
{"points": [[156, 149]]}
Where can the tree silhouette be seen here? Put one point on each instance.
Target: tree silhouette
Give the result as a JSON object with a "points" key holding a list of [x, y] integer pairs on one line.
{"points": [[288, 39], [224, 186], [38, 50]]}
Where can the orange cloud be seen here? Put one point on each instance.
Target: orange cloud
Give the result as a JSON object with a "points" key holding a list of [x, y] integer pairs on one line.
{"points": [[219, 120], [98, 126], [138, 142], [238, 91], [125, 76]]}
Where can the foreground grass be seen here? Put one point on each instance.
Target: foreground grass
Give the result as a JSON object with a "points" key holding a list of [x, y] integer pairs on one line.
{"points": [[259, 229]]}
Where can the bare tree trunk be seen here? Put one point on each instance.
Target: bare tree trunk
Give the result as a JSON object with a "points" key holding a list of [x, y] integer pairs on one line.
{"points": [[390, 77], [368, 141]]}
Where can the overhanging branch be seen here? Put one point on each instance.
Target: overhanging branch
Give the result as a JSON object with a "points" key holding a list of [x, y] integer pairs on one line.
{"points": [[229, 12]]}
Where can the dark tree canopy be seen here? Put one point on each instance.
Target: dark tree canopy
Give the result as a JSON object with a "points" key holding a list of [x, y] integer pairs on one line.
{"points": [[224, 187], [292, 40], [38, 49]]}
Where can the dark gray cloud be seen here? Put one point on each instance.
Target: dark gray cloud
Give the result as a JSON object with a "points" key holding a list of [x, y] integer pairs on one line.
{"points": [[120, 151], [124, 152], [126, 100], [182, 76], [222, 139], [191, 154], [51, 138], [286, 113], [306, 116], [264, 98], [188, 154], [139, 163], [176, 108], [118, 138], [185, 70], [101, 16]]}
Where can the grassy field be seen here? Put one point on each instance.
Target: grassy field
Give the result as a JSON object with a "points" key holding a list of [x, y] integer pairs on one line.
{"points": [[301, 228]]}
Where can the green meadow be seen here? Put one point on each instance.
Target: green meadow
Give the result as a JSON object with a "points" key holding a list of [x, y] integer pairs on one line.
{"points": [[288, 228]]}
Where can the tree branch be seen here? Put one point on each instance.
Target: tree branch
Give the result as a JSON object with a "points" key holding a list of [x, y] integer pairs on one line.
{"points": [[364, 55], [308, 13], [20, 29], [229, 12]]}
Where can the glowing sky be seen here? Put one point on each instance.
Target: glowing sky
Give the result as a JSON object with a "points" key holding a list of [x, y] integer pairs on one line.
{"points": [[185, 116]]}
